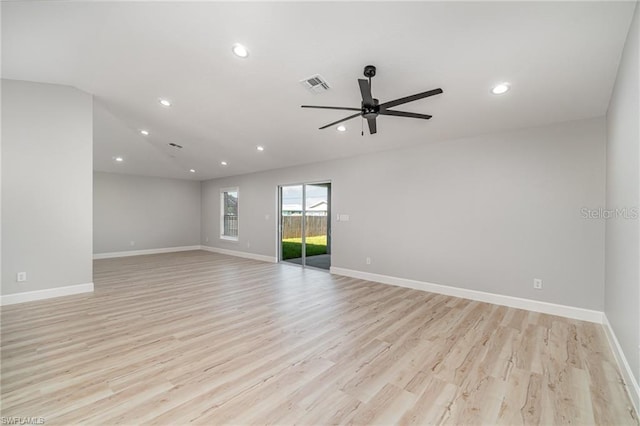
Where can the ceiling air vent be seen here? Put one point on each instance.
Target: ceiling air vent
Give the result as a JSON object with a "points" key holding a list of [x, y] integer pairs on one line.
{"points": [[315, 84]]}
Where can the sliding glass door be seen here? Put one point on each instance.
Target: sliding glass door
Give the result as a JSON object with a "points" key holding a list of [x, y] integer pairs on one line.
{"points": [[305, 225], [291, 224]]}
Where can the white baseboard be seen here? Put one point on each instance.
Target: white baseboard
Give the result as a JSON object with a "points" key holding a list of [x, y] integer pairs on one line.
{"points": [[143, 252], [29, 296], [236, 253], [623, 364], [481, 296], [243, 254]]}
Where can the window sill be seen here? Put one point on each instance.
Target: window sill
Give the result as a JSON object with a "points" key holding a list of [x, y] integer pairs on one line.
{"points": [[234, 239]]}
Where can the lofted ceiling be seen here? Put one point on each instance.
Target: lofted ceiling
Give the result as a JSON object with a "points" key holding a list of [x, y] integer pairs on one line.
{"points": [[560, 58]]}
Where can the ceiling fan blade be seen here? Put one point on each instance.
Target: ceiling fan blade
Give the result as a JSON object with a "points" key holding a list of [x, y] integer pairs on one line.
{"points": [[365, 91], [411, 98], [331, 107], [373, 128], [404, 114], [340, 121]]}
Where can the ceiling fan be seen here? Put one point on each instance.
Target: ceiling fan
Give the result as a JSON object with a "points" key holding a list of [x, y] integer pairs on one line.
{"points": [[370, 108]]}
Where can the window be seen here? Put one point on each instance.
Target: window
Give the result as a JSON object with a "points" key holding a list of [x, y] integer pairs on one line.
{"points": [[229, 214]]}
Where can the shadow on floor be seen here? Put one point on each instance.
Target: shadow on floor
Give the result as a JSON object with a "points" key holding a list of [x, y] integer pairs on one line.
{"points": [[321, 261]]}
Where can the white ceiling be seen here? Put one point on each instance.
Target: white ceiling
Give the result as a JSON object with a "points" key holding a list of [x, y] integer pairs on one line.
{"points": [[560, 57]]}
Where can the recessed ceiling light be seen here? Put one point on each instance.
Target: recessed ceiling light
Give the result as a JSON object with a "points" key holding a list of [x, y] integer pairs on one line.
{"points": [[501, 88], [192, 170], [260, 148], [239, 50], [164, 102], [223, 163], [118, 159], [145, 132], [341, 128]]}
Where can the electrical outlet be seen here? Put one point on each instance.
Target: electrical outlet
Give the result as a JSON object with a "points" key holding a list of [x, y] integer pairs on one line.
{"points": [[368, 261], [537, 283], [206, 239], [21, 277], [132, 243], [248, 244]]}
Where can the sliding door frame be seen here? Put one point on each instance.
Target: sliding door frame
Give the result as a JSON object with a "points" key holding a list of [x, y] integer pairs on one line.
{"points": [[304, 219]]}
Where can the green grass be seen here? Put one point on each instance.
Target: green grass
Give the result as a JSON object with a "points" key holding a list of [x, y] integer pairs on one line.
{"points": [[320, 240], [292, 247]]}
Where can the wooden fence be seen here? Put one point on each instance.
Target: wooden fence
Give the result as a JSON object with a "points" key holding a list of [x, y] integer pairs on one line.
{"points": [[292, 226]]}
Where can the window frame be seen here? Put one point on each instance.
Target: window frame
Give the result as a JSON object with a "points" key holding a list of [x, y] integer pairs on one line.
{"points": [[224, 191]]}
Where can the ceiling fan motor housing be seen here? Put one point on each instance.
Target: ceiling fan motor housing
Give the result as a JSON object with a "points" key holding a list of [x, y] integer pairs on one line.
{"points": [[371, 111]]}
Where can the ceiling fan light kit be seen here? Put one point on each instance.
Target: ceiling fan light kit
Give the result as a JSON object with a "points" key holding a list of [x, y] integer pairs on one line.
{"points": [[371, 108]]}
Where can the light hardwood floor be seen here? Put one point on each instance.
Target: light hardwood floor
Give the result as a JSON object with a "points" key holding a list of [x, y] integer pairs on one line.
{"points": [[197, 337]]}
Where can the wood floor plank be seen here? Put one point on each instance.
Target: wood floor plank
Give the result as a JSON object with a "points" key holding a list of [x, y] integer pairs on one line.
{"points": [[203, 338]]}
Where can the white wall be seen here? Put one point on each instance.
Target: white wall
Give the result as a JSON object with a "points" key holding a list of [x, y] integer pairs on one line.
{"points": [[152, 212], [487, 213], [46, 186], [622, 288]]}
